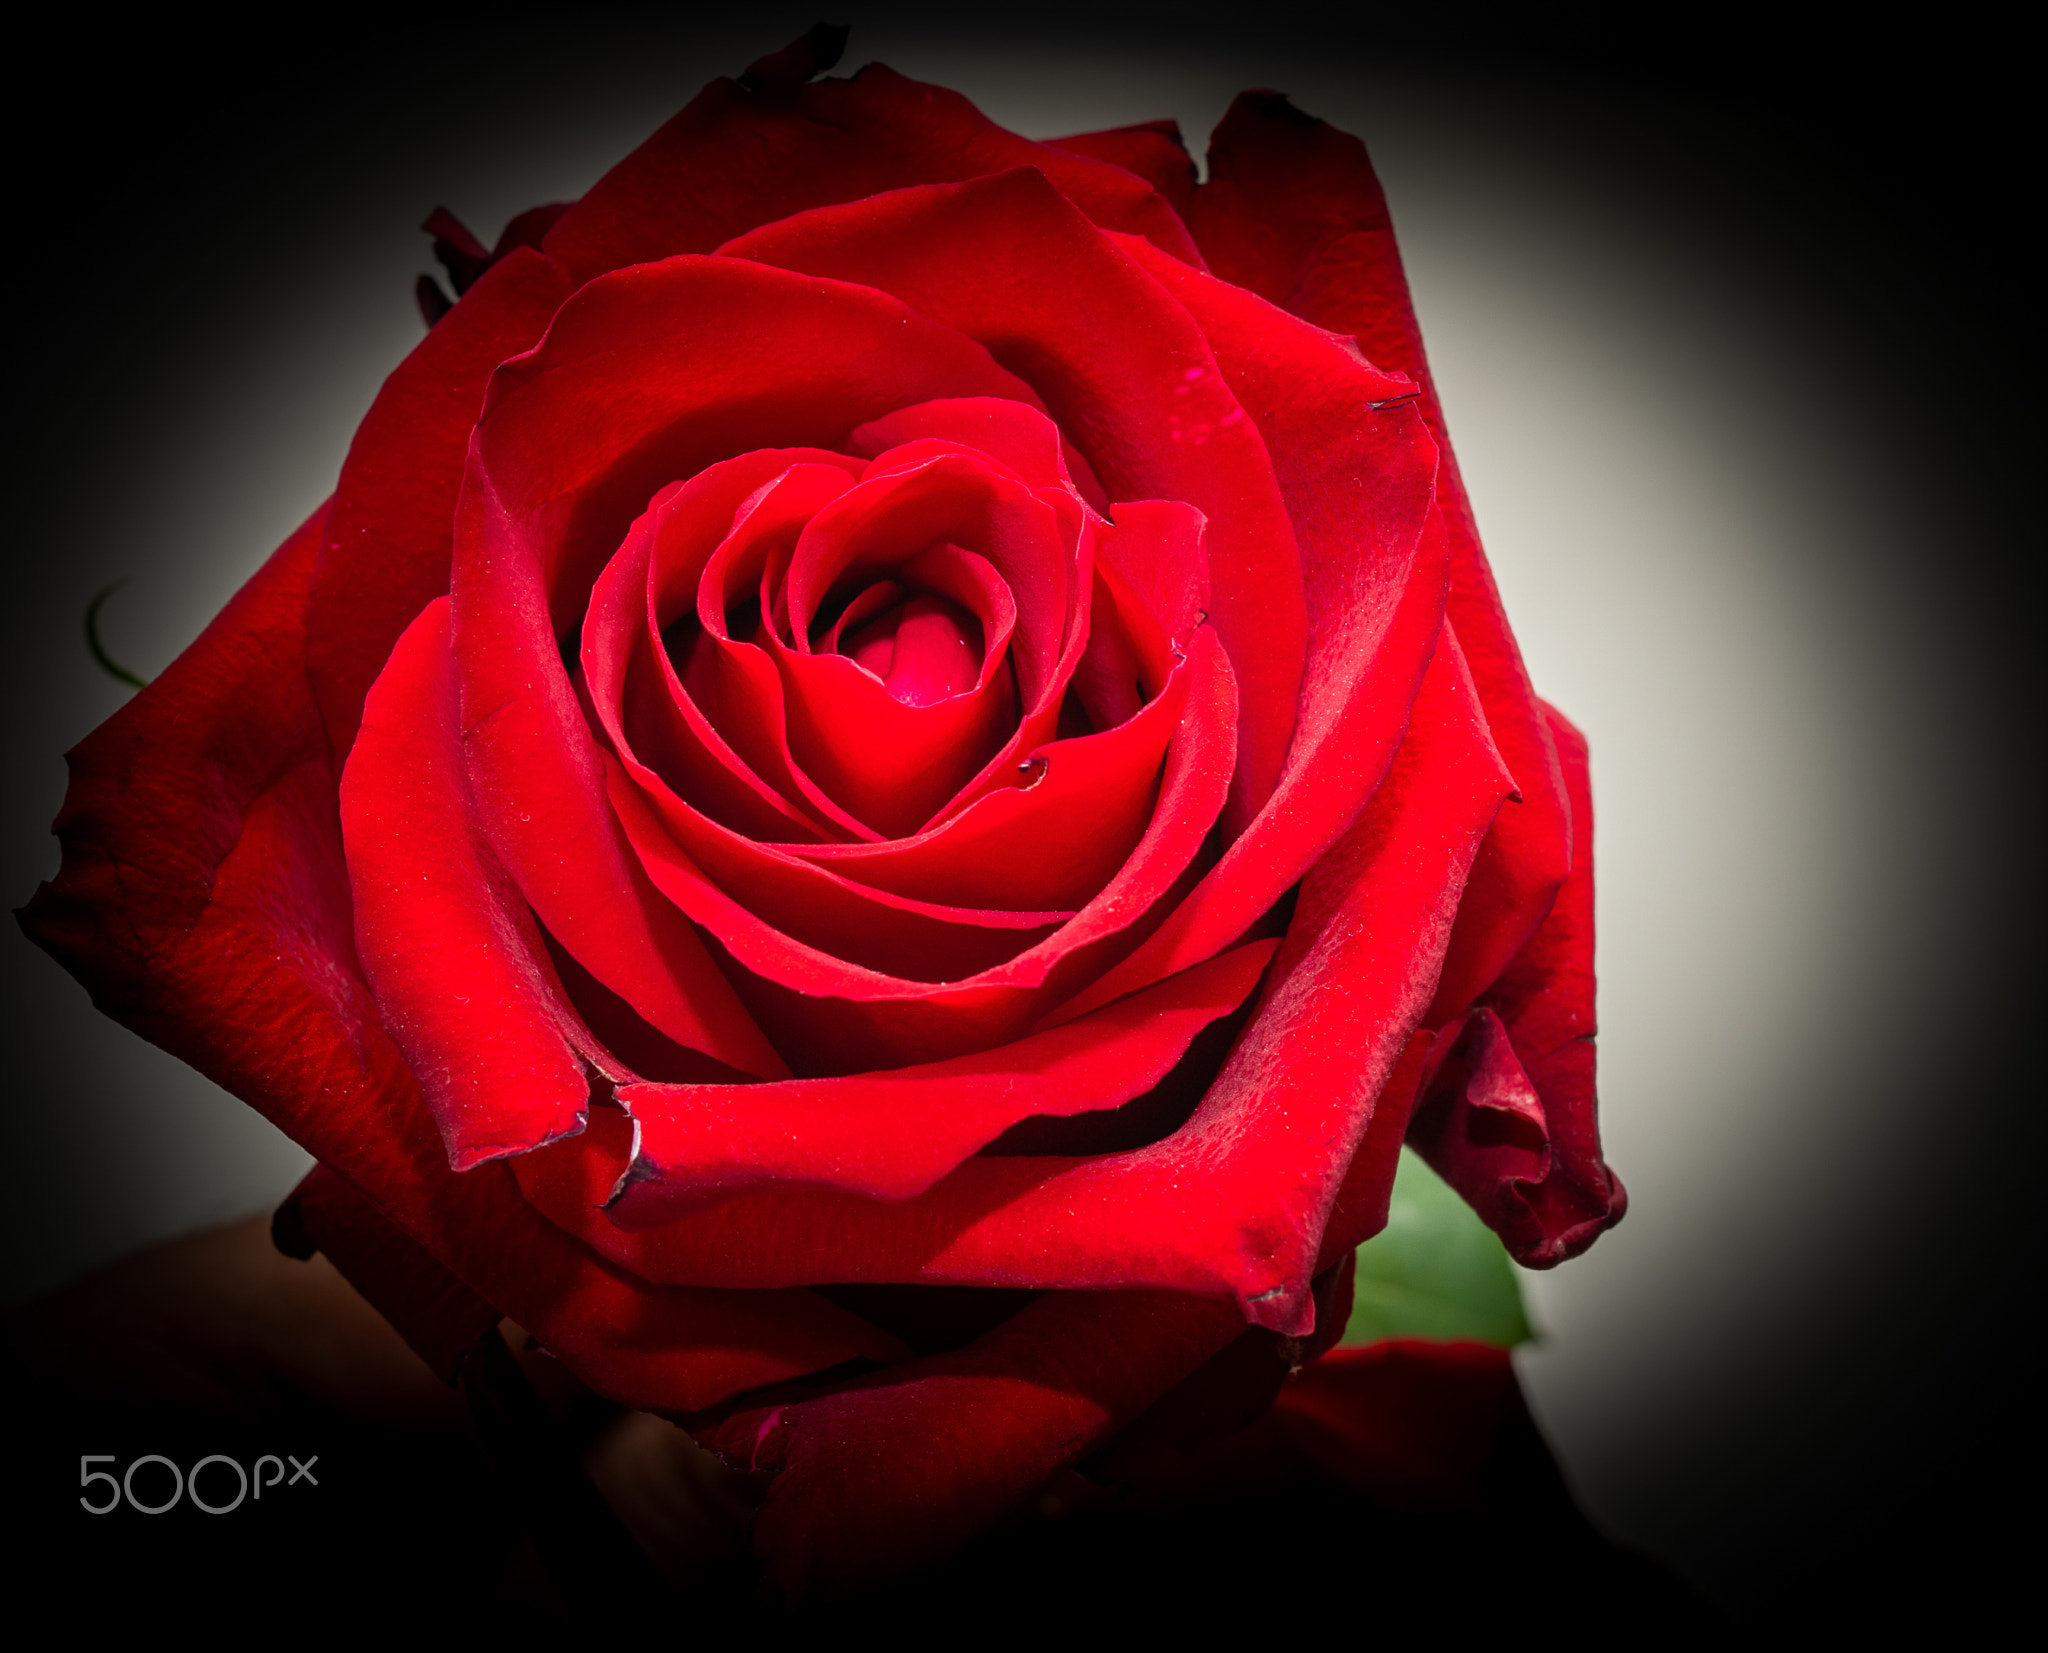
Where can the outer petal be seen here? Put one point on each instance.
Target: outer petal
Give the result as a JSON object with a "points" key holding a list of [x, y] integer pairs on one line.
{"points": [[203, 903], [737, 158], [1509, 1118], [447, 944], [161, 792], [892, 1135], [1357, 481], [1151, 149], [384, 555], [1293, 212], [935, 1451], [1407, 1423]]}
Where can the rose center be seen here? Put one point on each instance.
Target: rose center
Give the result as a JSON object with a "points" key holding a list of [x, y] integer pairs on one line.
{"points": [[923, 648]]}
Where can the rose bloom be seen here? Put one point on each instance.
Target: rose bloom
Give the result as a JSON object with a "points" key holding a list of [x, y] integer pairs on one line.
{"points": [[891, 779]]}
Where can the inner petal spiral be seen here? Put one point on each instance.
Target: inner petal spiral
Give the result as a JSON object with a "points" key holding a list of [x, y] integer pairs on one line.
{"points": [[924, 649]]}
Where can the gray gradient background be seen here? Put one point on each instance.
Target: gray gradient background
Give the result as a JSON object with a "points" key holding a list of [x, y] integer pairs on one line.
{"points": [[1742, 532]]}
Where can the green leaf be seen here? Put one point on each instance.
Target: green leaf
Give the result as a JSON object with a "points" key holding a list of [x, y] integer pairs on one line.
{"points": [[1435, 1270]]}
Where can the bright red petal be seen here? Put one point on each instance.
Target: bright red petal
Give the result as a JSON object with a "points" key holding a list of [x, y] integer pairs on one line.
{"points": [[1509, 1115], [668, 369], [204, 903], [385, 553], [1126, 373], [447, 945], [1357, 485], [844, 1016], [1234, 1203], [1293, 212], [892, 1135]]}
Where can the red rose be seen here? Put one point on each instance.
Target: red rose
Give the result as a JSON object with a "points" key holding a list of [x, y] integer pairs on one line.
{"points": [[879, 705]]}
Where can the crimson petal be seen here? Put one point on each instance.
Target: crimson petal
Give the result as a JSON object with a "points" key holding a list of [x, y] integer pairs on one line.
{"points": [[935, 1451], [1124, 371], [1017, 436], [385, 551], [892, 1135], [845, 1016], [447, 945], [639, 698], [729, 685], [1373, 562], [1509, 1117], [204, 903], [739, 357], [1151, 149], [1236, 1202], [735, 158], [1293, 211], [893, 765]]}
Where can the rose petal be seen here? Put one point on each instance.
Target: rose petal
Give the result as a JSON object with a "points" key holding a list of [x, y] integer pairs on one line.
{"points": [[737, 158], [537, 786], [161, 791], [935, 1451], [943, 581], [204, 903], [385, 552], [731, 685], [1130, 656], [1358, 488], [1233, 1203], [1017, 436], [894, 765], [865, 926], [1363, 1199], [1057, 842], [802, 922], [1054, 844], [1123, 370], [446, 943], [1160, 548], [635, 691], [1293, 211], [1405, 1422], [844, 1017], [743, 357], [1509, 1118], [891, 1135], [1161, 1450], [1152, 149]]}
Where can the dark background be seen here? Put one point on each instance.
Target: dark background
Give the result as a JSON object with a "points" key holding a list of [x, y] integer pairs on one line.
{"points": [[1789, 593]]}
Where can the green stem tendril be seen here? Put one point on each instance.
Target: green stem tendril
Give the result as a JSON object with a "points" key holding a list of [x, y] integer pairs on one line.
{"points": [[107, 663]]}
